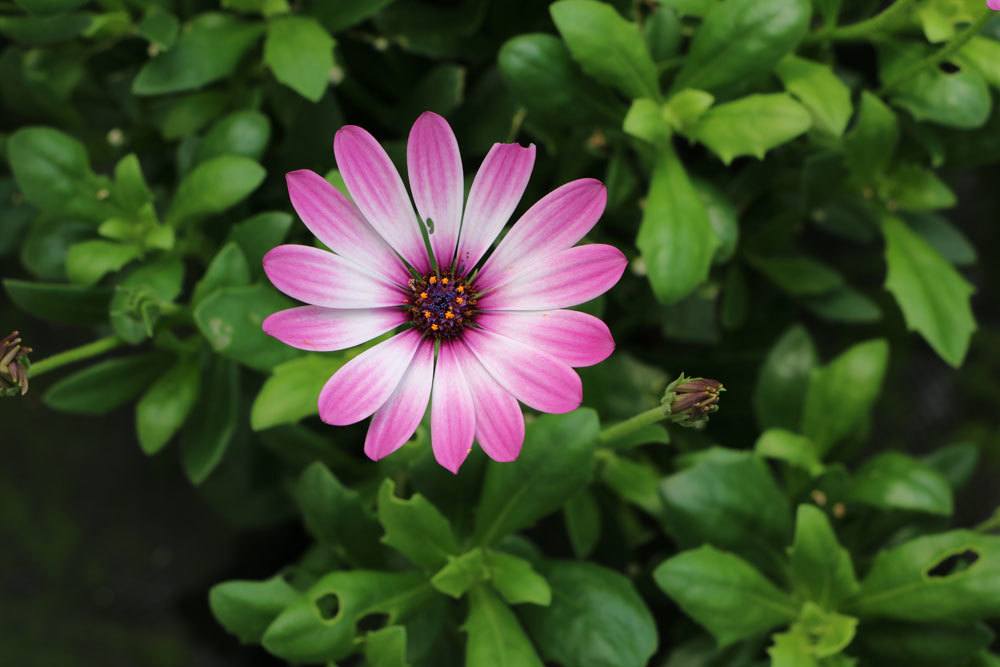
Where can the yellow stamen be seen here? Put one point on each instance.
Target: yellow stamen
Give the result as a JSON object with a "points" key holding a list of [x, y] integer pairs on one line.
{"points": [[434, 327], [460, 289], [427, 314], [444, 281], [459, 300], [423, 295], [432, 280], [449, 315]]}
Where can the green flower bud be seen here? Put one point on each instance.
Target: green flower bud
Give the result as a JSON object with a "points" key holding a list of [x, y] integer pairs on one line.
{"points": [[14, 366], [689, 401]]}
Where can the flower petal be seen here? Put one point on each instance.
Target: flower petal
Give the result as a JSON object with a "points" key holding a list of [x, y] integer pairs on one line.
{"points": [[556, 222], [453, 414], [321, 278], [378, 191], [364, 383], [335, 221], [495, 192], [567, 278], [395, 422], [435, 171], [324, 329], [533, 377], [575, 338], [499, 422]]}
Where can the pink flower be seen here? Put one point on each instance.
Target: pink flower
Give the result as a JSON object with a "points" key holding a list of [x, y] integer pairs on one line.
{"points": [[473, 342], [993, 4]]}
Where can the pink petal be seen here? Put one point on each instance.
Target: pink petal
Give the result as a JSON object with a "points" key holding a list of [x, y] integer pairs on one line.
{"points": [[321, 278], [495, 192], [499, 422], [378, 191], [364, 383], [453, 414], [335, 221], [556, 222], [567, 278], [396, 421], [533, 377], [324, 329], [435, 171], [575, 338]]}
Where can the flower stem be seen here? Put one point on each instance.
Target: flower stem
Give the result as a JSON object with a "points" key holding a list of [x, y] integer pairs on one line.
{"points": [[622, 429], [92, 349], [942, 54], [863, 29]]}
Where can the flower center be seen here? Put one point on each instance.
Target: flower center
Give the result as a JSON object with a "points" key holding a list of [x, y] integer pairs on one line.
{"points": [[441, 306]]}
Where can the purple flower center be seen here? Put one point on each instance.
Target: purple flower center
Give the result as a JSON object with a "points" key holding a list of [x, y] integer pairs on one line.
{"points": [[441, 306]]}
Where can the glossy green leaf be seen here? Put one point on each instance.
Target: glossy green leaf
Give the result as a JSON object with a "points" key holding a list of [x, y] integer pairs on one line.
{"points": [[636, 482], [159, 26], [933, 296], [792, 448], [983, 55], [415, 528], [820, 569], [292, 391], [109, 384], [905, 644], [869, 146], [89, 261], [516, 580], [165, 406], [495, 638], [781, 386], [246, 608], [685, 107], [751, 125], [646, 121], [944, 237], [799, 275], [820, 90], [910, 187], [213, 423], [55, 302], [386, 647], [462, 573], [583, 523], [214, 186], [244, 133], [344, 13], [299, 52], [259, 234], [894, 481], [227, 269]]}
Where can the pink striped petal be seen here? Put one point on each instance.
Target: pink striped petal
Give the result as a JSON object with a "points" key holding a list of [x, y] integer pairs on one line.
{"points": [[335, 221], [379, 193], [364, 383], [495, 192], [499, 422], [575, 338], [533, 377], [324, 329], [453, 414], [556, 222], [321, 278], [396, 421], [567, 278], [435, 171]]}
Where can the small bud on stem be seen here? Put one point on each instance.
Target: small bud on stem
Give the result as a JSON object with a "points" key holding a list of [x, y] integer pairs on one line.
{"points": [[14, 366], [689, 401]]}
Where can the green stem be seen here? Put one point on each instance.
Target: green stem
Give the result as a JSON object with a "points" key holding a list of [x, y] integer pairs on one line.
{"points": [[641, 420], [99, 346], [863, 29], [942, 54]]}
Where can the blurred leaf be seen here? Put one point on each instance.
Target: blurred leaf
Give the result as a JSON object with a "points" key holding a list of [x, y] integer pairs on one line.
{"points": [[89, 261], [227, 269], [66, 304], [516, 580], [159, 26], [844, 304], [386, 647], [634, 481], [243, 133], [300, 54], [607, 47], [645, 120], [345, 13], [933, 296], [751, 125], [213, 423], [165, 406], [246, 608], [675, 237], [956, 463], [816, 635], [784, 377], [230, 319], [983, 55], [792, 448], [183, 115], [910, 187], [798, 275], [49, 6], [208, 49], [259, 234], [106, 385], [555, 463], [583, 523], [944, 237], [820, 90], [663, 33], [214, 186], [596, 618], [820, 569], [41, 30], [415, 528], [496, 639], [724, 593], [685, 107], [843, 392], [292, 391], [894, 481], [897, 644], [462, 573], [869, 146]]}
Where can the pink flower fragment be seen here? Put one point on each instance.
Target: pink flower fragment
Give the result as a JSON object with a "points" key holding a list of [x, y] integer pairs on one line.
{"points": [[993, 4], [477, 336]]}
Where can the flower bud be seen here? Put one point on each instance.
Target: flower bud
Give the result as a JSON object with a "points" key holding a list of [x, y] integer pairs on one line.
{"points": [[689, 401], [14, 366]]}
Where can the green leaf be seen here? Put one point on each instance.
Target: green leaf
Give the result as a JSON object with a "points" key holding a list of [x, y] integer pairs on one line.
{"points": [[89, 261], [798, 275], [596, 618], [246, 608], [386, 647], [983, 55], [66, 304], [53, 172], [636, 482], [227, 269], [299, 52], [949, 577], [795, 449], [608, 48], [291, 393], [675, 237], [956, 463], [496, 639], [230, 319], [99, 389], [345, 13], [816, 635], [827, 98], [685, 107], [583, 523], [869, 146], [415, 528], [516, 580], [781, 387], [159, 27], [724, 593], [556, 461], [646, 121], [910, 187], [462, 573], [844, 304], [214, 186], [336, 516], [663, 33], [751, 125], [899, 644], [213, 423], [730, 501], [321, 626], [842, 393], [944, 237], [933, 296], [740, 40], [244, 133], [894, 481], [208, 49], [181, 116], [49, 6], [42, 30], [165, 406], [130, 190], [259, 234], [820, 569]]}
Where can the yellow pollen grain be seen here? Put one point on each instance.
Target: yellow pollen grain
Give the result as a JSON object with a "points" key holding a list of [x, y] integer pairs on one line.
{"points": [[460, 289], [460, 301], [432, 280], [449, 315], [444, 281], [423, 295], [427, 314], [434, 327]]}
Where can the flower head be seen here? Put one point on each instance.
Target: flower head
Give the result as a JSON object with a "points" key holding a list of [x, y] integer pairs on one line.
{"points": [[14, 365], [993, 4], [689, 401], [478, 331]]}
